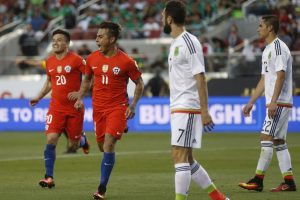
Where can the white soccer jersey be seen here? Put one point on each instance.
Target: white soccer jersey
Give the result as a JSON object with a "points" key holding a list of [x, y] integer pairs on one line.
{"points": [[277, 57], [185, 60]]}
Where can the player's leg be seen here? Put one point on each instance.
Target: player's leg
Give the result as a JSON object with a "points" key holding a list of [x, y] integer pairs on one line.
{"points": [[284, 159], [115, 124], [77, 138], [49, 159], [181, 141], [265, 158], [54, 126], [199, 174]]}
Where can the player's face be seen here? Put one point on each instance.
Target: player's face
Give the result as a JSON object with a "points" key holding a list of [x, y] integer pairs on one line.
{"points": [[59, 43], [263, 30], [104, 41], [167, 27]]}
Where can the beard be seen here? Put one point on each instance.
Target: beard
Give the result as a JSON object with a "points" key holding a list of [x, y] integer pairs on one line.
{"points": [[167, 29]]}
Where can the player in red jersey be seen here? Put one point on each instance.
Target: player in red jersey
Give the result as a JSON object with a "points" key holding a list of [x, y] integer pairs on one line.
{"points": [[111, 69], [64, 70]]}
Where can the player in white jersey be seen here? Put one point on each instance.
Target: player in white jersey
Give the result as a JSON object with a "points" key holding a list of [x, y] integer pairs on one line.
{"points": [[188, 92], [276, 82]]}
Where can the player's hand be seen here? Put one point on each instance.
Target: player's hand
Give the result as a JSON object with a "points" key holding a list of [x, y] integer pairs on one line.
{"points": [[78, 104], [208, 124], [272, 110], [247, 109], [130, 112], [34, 101], [73, 96]]}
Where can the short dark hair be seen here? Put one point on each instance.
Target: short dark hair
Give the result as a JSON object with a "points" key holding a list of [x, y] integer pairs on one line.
{"points": [[177, 10], [63, 32], [114, 29], [271, 20]]}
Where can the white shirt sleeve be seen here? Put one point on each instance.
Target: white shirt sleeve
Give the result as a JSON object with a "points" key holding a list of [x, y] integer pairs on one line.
{"points": [[195, 59], [281, 61]]}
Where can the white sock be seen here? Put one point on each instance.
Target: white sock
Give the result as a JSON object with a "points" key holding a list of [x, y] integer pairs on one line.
{"points": [[284, 159], [182, 178], [265, 158], [200, 176]]}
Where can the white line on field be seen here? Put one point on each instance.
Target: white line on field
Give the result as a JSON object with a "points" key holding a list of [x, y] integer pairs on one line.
{"points": [[83, 155], [129, 153]]}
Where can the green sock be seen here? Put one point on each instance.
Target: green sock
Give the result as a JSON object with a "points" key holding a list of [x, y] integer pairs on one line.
{"points": [[181, 197]]}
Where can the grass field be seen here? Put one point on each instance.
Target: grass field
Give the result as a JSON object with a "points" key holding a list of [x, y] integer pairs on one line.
{"points": [[143, 171]]}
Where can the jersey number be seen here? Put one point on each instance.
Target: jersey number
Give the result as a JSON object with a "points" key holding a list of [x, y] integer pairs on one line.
{"points": [[266, 126], [48, 119], [104, 79], [182, 131], [61, 80]]}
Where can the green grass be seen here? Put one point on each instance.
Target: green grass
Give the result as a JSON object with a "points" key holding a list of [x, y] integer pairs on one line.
{"points": [[143, 171]]}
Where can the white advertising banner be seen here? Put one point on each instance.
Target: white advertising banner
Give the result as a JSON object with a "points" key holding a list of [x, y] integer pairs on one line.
{"points": [[22, 86]]}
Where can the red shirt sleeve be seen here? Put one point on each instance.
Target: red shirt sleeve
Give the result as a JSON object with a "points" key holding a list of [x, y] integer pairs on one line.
{"points": [[88, 67], [133, 70]]}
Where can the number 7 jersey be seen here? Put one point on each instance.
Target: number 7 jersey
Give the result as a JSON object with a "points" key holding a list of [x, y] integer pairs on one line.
{"points": [[111, 75], [65, 75]]}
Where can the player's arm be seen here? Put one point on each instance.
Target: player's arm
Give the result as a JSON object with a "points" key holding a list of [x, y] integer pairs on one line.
{"points": [[138, 91], [260, 88], [44, 91], [85, 85], [203, 96], [277, 90]]}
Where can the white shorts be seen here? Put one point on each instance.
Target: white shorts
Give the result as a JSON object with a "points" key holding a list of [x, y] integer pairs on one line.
{"points": [[277, 127], [186, 130]]}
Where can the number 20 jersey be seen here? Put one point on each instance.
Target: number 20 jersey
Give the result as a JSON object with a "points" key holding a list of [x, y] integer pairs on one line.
{"points": [[65, 77]]}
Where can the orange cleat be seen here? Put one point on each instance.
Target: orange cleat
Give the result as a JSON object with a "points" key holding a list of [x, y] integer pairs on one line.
{"points": [[86, 147], [283, 187], [47, 183], [252, 184], [98, 196]]}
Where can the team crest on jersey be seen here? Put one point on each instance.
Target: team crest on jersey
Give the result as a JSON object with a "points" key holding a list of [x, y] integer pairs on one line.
{"points": [[59, 69], [270, 55], [116, 70], [176, 51], [104, 68], [68, 68]]}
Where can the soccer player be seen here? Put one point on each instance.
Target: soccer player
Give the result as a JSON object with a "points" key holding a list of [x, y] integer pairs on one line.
{"points": [[111, 69], [64, 70], [276, 82], [188, 102]]}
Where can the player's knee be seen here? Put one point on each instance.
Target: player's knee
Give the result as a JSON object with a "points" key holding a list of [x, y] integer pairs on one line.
{"points": [[179, 155], [279, 142], [264, 137]]}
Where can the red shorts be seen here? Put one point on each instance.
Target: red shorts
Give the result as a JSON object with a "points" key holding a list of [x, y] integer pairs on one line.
{"points": [[58, 122], [112, 122]]}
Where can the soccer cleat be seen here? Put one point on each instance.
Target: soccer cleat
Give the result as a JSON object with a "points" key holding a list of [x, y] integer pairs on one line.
{"points": [[86, 146], [47, 182], [283, 187], [252, 184], [98, 196], [217, 195]]}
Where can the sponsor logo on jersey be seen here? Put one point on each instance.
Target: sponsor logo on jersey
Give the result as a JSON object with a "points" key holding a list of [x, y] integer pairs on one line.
{"points": [[105, 68], [59, 69], [116, 70], [68, 68]]}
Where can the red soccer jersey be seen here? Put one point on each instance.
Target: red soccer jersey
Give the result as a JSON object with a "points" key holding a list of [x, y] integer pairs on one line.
{"points": [[65, 77], [110, 78]]}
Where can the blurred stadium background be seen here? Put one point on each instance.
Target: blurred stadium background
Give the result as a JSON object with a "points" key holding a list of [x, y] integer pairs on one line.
{"points": [[227, 31]]}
